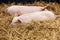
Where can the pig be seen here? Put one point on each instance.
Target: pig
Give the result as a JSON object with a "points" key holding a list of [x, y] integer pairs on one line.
{"points": [[19, 10], [35, 16]]}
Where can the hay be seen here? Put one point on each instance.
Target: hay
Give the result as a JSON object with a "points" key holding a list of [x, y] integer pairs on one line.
{"points": [[43, 30]]}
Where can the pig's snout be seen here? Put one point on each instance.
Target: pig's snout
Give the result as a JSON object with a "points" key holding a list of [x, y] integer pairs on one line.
{"points": [[6, 12]]}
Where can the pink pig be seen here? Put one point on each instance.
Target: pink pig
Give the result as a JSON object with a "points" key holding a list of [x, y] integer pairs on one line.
{"points": [[18, 10], [35, 16]]}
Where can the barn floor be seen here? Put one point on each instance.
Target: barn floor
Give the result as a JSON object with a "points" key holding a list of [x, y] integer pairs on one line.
{"points": [[43, 30]]}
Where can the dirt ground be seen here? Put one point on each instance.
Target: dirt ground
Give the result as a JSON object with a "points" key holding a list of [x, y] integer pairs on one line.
{"points": [[43, 30]]}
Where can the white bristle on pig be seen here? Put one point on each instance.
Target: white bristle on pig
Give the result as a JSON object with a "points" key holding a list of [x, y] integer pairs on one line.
{"points": [[35, 16], [23, 9]]}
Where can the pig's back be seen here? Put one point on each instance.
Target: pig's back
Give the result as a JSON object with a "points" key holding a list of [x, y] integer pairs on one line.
{"points": [[24, 9]]}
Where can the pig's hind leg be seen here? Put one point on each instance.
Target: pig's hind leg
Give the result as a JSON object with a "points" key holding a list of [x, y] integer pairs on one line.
{"points": [[43, 8]]}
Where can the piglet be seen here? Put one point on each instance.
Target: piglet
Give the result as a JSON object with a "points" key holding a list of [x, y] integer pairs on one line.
{"points": [[19, 10], [35, 16]]}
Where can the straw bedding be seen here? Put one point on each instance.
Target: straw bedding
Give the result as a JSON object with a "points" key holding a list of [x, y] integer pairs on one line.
{"points": [[43, 30]]}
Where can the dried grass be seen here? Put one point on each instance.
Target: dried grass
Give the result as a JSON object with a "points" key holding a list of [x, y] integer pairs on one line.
{"points": [[43, 30]]}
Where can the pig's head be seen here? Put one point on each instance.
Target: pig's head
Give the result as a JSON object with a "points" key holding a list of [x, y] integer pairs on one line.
{"points": [[15, 21]]}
